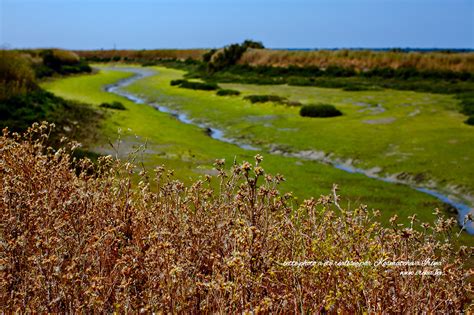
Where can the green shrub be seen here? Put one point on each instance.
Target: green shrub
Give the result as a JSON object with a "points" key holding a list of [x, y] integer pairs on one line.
{"points": [[248, 43], [73, 118], [467, 103], [199, 85], [113, 105], [148, 63], [208, 55], [80, 67], [226, 92], [229, 56], [61, 62], [320, 110], [337, 71], [265, 98], [177, 82], [226, 57], [470, 121]]}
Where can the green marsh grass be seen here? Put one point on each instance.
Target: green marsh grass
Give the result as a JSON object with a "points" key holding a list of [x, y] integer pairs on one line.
{"points": [[189, 151]]}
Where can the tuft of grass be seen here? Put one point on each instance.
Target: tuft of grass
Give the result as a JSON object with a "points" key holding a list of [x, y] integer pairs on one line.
{"points": [[108, 237], [113, 105], [176, 82], [227, 92], [198, 85], [193, 85], [265, 98], [320, 110]]}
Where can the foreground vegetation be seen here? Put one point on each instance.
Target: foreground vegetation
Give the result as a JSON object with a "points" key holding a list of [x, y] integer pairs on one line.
{"points": [[112, 236], [87, 238]]}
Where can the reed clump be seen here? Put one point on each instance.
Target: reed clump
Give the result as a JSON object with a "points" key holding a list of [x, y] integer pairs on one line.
{"points": [[360, 60], [111, 237]]}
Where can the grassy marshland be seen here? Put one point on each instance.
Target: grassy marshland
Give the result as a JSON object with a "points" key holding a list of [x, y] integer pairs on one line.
{"points": [[189, 151]]}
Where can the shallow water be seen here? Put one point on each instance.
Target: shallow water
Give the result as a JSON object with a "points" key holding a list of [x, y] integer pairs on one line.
{"points": [[218, 134]]}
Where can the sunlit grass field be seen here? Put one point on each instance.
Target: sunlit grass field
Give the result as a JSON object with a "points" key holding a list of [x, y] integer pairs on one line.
{"points": [[397, 131]]}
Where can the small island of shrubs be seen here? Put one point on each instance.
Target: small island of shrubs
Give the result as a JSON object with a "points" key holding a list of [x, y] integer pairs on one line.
{"points": [[271, 98], [227, 92], [264, 99], [320, 110], [194, 85], [470, 121], [113, 105]]}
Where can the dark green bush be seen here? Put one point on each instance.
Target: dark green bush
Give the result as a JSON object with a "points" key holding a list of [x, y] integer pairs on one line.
{"points": [[470, 121], [320, 110], [265, 98], [113, 105], [208, 55], [42, 71], [227, 92], [19, 112], [149, 63], [337, 71], [248, 43], [80, 67], [177, 82], [226, 57], [60, 61], [199, 85], [229, 56], [467, 103]]}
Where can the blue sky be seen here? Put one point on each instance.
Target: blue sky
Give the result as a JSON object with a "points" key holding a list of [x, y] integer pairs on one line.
{"points": [[146, 24]]}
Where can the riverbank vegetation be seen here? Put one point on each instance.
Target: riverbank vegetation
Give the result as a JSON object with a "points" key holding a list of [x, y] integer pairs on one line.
{"points": [[227, 92], [91, 238], [113, 105], [447, 72], [361, 60], [23, 101], [188, 148]]}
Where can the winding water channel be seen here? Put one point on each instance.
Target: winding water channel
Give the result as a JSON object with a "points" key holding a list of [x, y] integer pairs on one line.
{"points": [[462, 208]]}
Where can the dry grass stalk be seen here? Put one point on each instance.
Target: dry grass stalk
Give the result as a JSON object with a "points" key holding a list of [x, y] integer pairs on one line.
{"points": [[360, 59], [82, 237]]}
